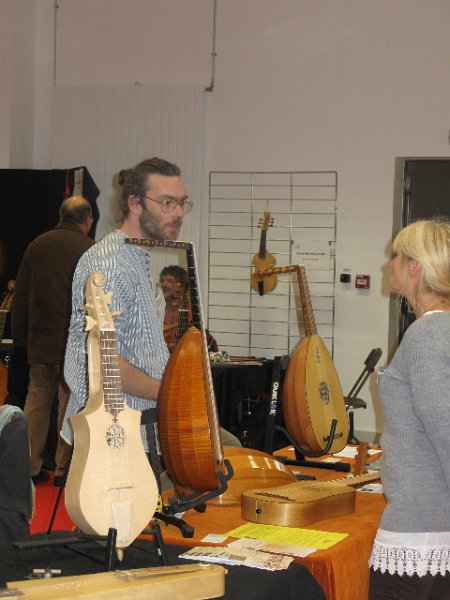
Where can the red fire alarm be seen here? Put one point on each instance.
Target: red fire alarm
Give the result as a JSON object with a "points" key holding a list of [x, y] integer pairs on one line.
{"points": [[362, 282]]}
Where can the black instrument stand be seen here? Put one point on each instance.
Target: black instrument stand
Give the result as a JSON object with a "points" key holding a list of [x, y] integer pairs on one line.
{"points": [[352, 400], [181, 503]]}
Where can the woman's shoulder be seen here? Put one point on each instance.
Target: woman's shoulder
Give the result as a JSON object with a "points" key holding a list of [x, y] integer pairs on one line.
{"points": [[435, 324]]}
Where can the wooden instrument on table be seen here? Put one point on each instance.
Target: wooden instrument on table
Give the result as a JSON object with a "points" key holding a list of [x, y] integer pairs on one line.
{"points": [[304, 502], [196, 581], [5, 307], [110, 482], [312, 394], [252, 468], [188, 423], [263, 260]]}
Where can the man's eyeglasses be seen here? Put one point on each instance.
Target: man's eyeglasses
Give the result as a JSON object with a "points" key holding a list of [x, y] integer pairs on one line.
{"points": [[168, 205]]}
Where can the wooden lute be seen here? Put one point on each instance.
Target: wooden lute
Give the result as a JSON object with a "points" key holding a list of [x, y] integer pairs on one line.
{"points": [[263, 260], [110, 482], [312, 394], [188, 422]]}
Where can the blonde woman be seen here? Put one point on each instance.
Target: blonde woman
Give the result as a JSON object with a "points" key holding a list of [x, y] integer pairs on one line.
{"points": [[411, 553]]}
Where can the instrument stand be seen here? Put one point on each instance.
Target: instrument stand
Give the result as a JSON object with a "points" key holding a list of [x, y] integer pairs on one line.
{"points": [[352, 401], [197, 500], [108, 541]]}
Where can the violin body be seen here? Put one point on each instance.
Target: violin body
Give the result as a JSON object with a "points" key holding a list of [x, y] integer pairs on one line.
{"points": [[267, 284]]}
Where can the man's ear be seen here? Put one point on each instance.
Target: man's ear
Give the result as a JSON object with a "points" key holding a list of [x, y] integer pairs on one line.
{"points": [[134, 204]]}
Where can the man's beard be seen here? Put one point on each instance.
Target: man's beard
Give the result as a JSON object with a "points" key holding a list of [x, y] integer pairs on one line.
{"points": [[151, 226]]}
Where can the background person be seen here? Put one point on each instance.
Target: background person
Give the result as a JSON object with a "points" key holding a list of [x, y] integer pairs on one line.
{"points": [[173, 281], [40, 318]]}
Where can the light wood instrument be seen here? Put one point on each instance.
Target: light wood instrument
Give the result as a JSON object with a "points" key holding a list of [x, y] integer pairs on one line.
{"points": [[188, 422], [304, 502], [263, 260], [312, 394], [196, 581], [110, 482]]}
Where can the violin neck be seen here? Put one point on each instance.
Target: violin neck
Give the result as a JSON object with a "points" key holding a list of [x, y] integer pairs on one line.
{"points": [[262, 244]]}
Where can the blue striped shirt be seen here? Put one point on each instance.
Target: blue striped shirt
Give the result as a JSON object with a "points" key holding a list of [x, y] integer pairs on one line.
{"points": [[139, 325]]}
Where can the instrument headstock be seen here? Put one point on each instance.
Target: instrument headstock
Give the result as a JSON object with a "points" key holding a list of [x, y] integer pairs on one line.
{"points": [[97, 303], [266, 221]]}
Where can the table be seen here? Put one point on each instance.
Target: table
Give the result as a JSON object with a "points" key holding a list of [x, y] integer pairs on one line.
{"points": [[241, 583], [342, 570]]}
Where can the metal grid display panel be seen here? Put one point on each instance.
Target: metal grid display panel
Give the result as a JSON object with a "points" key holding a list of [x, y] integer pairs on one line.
{"points": [[303, 207]]}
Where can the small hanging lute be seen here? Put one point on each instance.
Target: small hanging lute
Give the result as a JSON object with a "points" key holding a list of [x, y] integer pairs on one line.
{"points": [[263, 260]]}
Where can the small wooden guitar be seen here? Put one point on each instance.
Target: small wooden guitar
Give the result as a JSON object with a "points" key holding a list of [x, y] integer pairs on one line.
{"points": [[312, 394], [263, 260], [304, 502], [110, 482]]}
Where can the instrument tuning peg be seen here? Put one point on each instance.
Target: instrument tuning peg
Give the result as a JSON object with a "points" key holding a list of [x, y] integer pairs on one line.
{"points": [[115, 313], [86, 306], [90, 322]]}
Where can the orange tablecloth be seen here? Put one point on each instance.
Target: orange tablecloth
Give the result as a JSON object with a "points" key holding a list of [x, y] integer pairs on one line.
{"points": [[341, 570]]}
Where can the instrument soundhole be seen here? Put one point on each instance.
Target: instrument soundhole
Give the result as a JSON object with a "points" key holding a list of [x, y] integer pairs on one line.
{"points": [[115, 436], [324, 392]]}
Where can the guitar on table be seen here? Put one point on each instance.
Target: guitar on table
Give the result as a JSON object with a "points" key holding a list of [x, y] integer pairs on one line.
{"points": [[110, 482], [263, 260]]}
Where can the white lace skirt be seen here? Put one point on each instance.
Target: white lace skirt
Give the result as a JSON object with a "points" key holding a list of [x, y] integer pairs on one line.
{"points": [[411, 553]]}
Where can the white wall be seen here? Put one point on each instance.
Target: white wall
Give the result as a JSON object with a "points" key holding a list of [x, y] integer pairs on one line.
{"points": [[343, 85], [17, 38]]}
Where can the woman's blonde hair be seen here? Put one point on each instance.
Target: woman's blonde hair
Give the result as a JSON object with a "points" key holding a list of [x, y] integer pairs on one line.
{"points": [[428, 242]]}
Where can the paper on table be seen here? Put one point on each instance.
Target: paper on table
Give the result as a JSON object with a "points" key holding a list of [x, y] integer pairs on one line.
{"points": [[273, 547], [288, 535]]}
